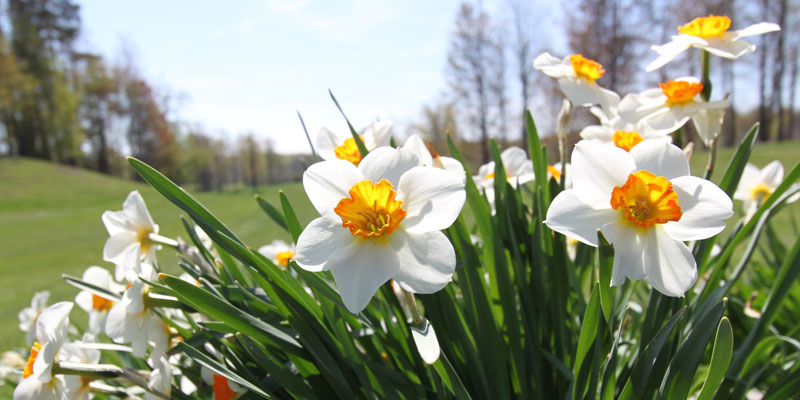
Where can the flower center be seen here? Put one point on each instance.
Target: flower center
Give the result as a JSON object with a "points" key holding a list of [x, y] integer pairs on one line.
{"points": [[349, 151], [680, 92], [646, 199], [760, 193], [143, 238], [28, 371], [222, 391], [284, 257], [371, 209], [585, 68], [556, 174], [101, 303], [706, 27], [627, 139], [488, 176]]}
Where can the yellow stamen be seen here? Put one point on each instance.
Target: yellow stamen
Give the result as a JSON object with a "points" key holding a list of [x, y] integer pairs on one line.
{"points": [[760, 193], [680, 92], [143, 238], [28, 371], [222, 391], [707, 27], [554, 172], [585, 68], [101, 303], [284, 257], [627, 139], [646, 199], [349, 151], [488, 176], [371, 209]]}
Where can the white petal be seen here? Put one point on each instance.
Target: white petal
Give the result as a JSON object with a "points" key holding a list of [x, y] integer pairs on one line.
{"points": [[667, 120], [552, 66], [118, 245], [757, 29], [97, 276], [432, 199], [708, 124], [135, 208], [32, 389], [39, 300], [327, 182], [117, 222], [52, 323], [326, 142], [115, 322], [97, 321], [704, 206], [628, 251], [84, 300], [582, 93], [597, 169], [730, 49], [360, 269], [415, 144], [660, 158], [427, 344], [668, 51], [387, 163], [515, 161], [597, 132], [772, 174], [321, 238], [427, 260], [669, 265], [572, 217], [751, 177], [454, 166], [377, 134]]}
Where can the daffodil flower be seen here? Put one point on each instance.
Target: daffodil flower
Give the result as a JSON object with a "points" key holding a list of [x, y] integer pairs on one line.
{"points": [[133, 237], [518, 168], [646, 203], [222, 387], [279, 252], [160, 378], [756, 185], [28, 315], [576, 77], [430, 158], [332, 145], [39, 383], [621, 132], [96, 304], [131, 321], [554, 172], [380, 221], [711, 34], [669, 107], [77, 387]]}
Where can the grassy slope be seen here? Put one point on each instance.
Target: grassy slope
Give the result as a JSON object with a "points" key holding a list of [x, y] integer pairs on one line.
{"points": [[50, 225]]}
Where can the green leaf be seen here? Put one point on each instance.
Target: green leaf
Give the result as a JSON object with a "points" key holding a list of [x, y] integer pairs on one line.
{"points": [[684, 364], [538, 158], [291, 218], [643, 367], [310, 143], [733, 174], [450, 377], [80, 284], [720, 360], [219, 369], [360, 144], [272, 212], [590, 328], [605, 267]]}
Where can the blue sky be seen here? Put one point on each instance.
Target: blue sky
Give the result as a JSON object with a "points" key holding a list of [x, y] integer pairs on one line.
{"points": [[249, 65]]}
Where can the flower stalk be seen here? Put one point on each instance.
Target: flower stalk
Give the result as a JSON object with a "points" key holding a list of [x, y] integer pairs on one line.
{"points": [[106, 371], [706, 95]]}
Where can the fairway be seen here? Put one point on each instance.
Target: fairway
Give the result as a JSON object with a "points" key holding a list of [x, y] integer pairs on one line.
{"points": [[50, 225]]}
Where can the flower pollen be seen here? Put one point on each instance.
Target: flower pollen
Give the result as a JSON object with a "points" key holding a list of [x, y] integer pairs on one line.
{"points": [[554, 172], [101, 303], [627, 139], [28, 371], [222, 391], [371, 209], [284, 257], [680, 92], [349, 151], [707, 27], [646, 199], [585, 68]]}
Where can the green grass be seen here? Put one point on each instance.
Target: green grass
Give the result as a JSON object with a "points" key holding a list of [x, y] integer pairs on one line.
{"points": [[50, 225]]}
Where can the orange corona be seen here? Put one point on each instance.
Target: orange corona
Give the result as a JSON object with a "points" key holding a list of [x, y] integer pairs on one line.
{"points": [[554, 172], [627, 139], [371, 209], [585, 68], [28, 371], [101, 303], [349, 151], [707, 27], [680, 92], [646, 199], [284, 257]]}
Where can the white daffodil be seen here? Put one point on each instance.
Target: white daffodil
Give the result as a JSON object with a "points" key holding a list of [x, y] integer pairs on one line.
{"points": [[710, 34], [332, 145], [39, 383], [223, 388], [11, 363], [430, 158], [576, 77], [97, 304], [131, 321], [160, 378], [554, 172], [77, 387], [130, 238], [29, 315], [668, 108], [646, 203], [621, 132], [279, 252], [756, 185], [380, 221], [518, 168]]}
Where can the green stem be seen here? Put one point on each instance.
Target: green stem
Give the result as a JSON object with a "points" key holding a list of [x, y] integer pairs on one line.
{"points": [[159, 300], [706, 80], [712, 158], [106, 371]]}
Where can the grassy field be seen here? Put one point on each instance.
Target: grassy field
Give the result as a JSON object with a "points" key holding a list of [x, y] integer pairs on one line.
{"points": [[50, 223]]}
